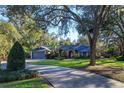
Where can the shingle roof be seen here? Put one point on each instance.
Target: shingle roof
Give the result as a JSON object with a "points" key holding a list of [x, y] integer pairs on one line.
{"points": [[79, 48], [67, 47], [41, 48]]}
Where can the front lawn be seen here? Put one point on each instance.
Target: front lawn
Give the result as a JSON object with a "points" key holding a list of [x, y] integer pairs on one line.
{"points": [[65, 63], [29, 83], [75, 63]]}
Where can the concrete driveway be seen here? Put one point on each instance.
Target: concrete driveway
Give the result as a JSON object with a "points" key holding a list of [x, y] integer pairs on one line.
{"points": [[61, 77]]}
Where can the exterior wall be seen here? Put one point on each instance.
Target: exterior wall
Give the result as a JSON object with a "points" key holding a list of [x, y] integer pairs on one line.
{"points": [[84, 54], [74, 50], [74, 54]]}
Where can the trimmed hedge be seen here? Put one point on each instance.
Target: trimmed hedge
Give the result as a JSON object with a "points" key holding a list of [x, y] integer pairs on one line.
{"points": [[16, 58], [7, 76]]}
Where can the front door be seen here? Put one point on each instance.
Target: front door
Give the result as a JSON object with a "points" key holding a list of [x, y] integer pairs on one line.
{"points": [[71, 54]]}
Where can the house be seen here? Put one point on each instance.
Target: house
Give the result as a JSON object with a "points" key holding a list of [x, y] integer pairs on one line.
{"points": [[70, 51], [39, 53]]}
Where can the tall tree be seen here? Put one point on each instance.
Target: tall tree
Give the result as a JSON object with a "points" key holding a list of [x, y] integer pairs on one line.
{"points": [[8, 35], [87, 19], [118, 26], [114, 32]]}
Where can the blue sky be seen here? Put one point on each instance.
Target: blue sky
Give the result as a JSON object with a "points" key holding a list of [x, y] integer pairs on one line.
{"points": [[73, 34], [3, 18]]}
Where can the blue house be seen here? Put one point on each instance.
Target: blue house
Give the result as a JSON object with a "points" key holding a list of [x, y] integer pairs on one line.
{"points": [[39, 53], [70, 51]]}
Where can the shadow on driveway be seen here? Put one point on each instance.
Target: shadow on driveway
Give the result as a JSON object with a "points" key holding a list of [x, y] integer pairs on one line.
{"points": [[61, 77]]}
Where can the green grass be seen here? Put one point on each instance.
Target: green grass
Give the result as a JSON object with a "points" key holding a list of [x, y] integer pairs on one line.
{"points": [[111, 62], [74, 63], [29, 83], [65, 63]]}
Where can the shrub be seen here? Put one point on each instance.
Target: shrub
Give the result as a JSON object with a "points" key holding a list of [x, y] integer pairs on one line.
{"points": [[7, 76], [10, 78], [83, 57], [51, 55], [16, 58], [59, 58], [27, 55], [120, 58]]}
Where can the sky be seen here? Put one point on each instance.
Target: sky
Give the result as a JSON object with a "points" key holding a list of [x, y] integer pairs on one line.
{"points": [[73, 34], [2, 18]]}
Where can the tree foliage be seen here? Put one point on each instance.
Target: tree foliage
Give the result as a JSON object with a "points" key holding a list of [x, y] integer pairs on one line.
{"points": [[114, 30], [8, 35], [22, 25], [87, 19], [99, 23]]}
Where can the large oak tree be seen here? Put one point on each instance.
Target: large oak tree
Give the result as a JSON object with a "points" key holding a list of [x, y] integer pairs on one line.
{"points": [[87, 20]]}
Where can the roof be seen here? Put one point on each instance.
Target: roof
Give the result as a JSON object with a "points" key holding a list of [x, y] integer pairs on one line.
{"points": [[79, 48], [67, 47], [42, 48]]}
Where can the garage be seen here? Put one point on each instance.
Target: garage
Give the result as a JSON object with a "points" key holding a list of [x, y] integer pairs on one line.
{"points": [[39, 53]]}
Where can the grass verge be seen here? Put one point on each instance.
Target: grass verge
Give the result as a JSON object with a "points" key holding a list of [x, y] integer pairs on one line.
{"points": [[28, 83], [74, 63]]}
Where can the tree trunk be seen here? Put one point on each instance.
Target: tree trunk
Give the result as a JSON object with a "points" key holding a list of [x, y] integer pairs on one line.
{"points": [[92, 41], [123, 48], [92, 52], [120, 50]]}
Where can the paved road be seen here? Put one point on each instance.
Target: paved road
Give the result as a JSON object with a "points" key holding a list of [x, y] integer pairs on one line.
{"points": [[61, 77]]}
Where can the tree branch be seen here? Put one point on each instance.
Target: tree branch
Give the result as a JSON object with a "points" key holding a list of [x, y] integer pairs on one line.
{"points": [[74, 15]]}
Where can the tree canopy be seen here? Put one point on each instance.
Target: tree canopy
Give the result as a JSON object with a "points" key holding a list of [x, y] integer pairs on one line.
{"points": [[99, 24]]}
